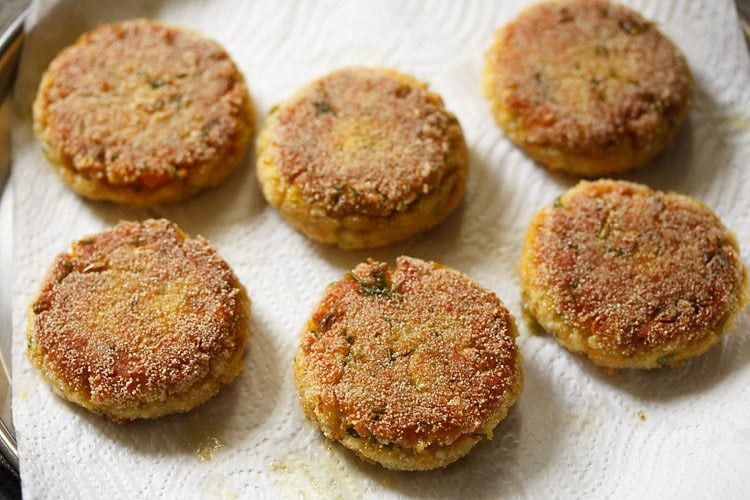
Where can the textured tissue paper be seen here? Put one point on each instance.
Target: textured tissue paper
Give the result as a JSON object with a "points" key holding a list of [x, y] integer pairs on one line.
{"points": [[575, 431]]}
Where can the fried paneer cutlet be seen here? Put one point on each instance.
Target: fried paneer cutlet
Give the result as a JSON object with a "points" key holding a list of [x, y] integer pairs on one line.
{"points": [[362, 157], [139, 321], [410, 367], [587, 87], [139, 112], [631, 277]]}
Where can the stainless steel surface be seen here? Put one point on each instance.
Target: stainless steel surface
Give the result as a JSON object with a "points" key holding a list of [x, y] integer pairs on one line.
{"points": [[7, 431], [743, 9], [10, 44], [8, 446], [11, 18]]}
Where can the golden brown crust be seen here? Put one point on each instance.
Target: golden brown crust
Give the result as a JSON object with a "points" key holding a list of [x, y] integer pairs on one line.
{"points": [[357, 149], [587, 86], [408, 368], [632, 277], [139, 321], [140, 112]]}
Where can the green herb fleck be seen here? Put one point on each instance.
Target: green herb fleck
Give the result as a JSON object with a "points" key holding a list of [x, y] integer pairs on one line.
{"points": [[379, 287], [352, 432], [558, 202], [157, 82], [572, 287], [626, 25], [206, 129], [622, 252], [273, 109], [696, 307], [391, 355], [634, 27], [662, 361], [322, 107], [723, 258], [601, 50], [604, 231], [339, 190], [85, 241]]}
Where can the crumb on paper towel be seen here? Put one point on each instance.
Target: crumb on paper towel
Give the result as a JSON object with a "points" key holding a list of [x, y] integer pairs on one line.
{"points": [[740, 122], [317, 475], [216, 487], [206, 446], [641, 416], [297, 473], [581, 417]]}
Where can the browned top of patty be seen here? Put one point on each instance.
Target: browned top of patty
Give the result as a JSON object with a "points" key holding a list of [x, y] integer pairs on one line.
{"points": [[417, 355], [367, 141], [136, 313], [142, 104], [586, 74], [636, 267]]}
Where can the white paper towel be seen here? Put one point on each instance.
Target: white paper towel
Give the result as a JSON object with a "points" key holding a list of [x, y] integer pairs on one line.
{"points": [[575, 432]]}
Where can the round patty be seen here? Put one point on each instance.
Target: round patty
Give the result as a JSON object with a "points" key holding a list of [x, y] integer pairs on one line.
{"points": [[633, 278], [140, 112], [409, 367], [139, 321], [362, 157], [587, 87]]}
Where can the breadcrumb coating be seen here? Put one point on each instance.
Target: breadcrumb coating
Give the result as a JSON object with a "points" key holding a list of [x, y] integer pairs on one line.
{"points": [[588, 87], [409, 368], [362, 157], [140, 112], [632, 277], [139, 321]]}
